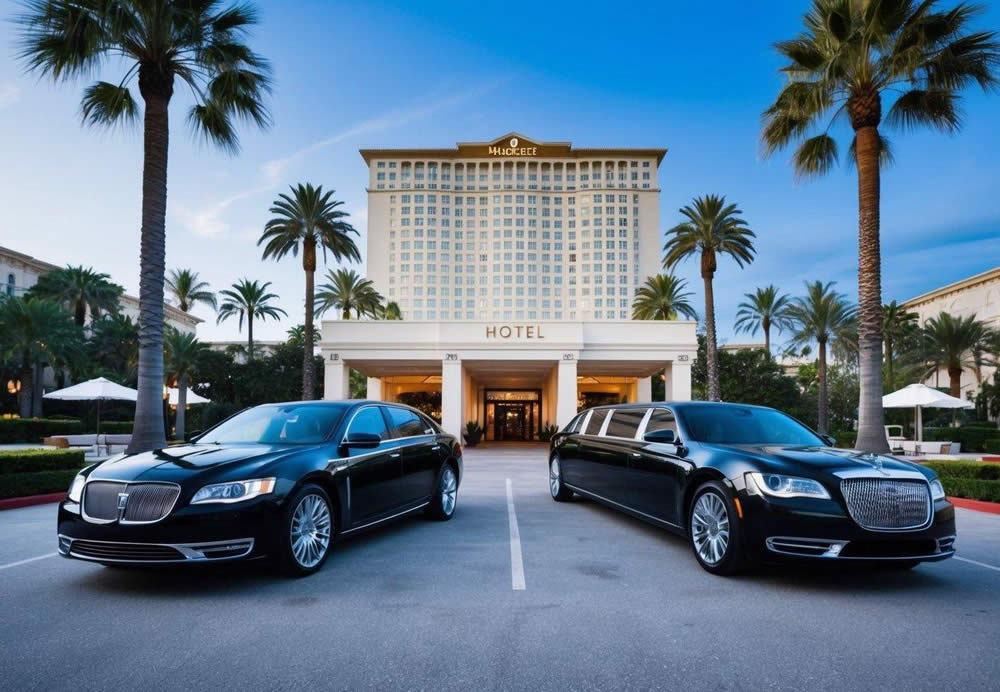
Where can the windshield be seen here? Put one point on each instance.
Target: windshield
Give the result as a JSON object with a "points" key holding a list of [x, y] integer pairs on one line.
{"points": [[287, 424], [738, 425]]}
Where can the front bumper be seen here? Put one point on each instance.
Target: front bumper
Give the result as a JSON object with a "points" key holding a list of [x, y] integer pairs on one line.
{"points": [[810, 530], [190, 534]]}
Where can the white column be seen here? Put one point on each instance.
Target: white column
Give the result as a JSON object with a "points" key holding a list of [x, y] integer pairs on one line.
{"points": [[452, 406], [680, 381], [644, 389], [336, 379], [566, 395], [375, 388], [667, 381]]}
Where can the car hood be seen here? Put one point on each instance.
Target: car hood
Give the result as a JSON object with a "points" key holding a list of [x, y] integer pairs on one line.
{"points": [[788, 458], [182, 462]]}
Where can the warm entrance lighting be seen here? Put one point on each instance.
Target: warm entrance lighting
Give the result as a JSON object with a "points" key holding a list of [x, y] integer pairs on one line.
{"points": [[13, 386]]}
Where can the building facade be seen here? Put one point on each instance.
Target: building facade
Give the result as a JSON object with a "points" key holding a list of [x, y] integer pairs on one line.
{"points": [[977, 295], [514, 263]]}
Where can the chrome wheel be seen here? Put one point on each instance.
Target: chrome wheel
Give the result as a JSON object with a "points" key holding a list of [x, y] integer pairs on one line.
{"points": [[449, 490], [710, 528], [310, 532], [554, 481]]}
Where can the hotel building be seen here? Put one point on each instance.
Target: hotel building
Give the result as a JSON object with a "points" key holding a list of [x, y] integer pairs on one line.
{"points": [[514, 263]]}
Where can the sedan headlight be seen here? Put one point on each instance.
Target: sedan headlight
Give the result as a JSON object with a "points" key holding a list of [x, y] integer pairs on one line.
{"points": [[76, 488], [778, 485], [237, 491], [937, 490]]}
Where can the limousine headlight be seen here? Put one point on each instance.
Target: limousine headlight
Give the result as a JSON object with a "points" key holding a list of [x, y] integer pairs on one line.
{"points": [[937, 490], [778, 485], [76, 488], [237, 491]]}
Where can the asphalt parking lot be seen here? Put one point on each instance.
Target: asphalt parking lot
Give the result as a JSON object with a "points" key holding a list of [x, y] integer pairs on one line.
{"points": [[607, 603]]}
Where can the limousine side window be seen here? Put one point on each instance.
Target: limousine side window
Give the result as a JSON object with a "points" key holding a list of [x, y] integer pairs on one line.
{"points": [[625, 422], [596, 421], [369, 420], [661, 419], [405, 423]]}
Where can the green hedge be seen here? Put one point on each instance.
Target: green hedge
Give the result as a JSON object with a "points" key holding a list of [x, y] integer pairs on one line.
{"points": [[31, 460], [992, 445], [974, 480], [846, 440], [972, 437], [37, 483], [34, 429], [116, 427], [972, 488]]}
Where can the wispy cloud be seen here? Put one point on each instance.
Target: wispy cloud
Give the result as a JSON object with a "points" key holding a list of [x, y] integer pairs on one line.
{"points": [[274, 168], [9, 95], [208, 219]]}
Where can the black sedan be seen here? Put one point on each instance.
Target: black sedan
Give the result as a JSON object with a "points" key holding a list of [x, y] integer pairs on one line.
{"points": [[280, 481], [750, 484]]}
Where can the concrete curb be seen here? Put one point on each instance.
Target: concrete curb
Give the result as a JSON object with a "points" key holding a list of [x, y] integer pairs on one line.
{"points": [[31, 500], [977, 505]]}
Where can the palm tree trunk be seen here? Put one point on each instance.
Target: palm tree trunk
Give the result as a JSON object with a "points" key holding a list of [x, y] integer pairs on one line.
{"points": [[27, 379], [888, 362], [37, 377], [182, 397], [767, 337], [821, 374], [347, 312], [308, 376], [871, 416], [249, 336], [955, 381], [714, 390], [80, 315], [148, 431]]}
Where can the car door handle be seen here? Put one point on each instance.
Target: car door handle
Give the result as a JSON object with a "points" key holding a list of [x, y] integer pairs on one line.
{"points": [[636, 454], [436, 447], [394, 455]]}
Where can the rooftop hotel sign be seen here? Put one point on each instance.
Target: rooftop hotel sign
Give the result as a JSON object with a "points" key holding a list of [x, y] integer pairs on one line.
{"points": [[514, 331], [513, 149]]}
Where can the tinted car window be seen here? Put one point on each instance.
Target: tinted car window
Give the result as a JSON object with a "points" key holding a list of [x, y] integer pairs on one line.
{"points": [[369, 420], [661, 419], [285, 424], [596, 421], [747, 426], [405, 422], [625, 422]]}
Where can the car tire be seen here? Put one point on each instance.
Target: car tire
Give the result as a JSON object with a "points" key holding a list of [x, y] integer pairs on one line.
{"points": [[558, 490], [307, 532], [715, 530], [444, 499]]}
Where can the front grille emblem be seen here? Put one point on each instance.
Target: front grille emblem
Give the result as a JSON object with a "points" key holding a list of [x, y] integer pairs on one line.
{"points": [[122, 502]]}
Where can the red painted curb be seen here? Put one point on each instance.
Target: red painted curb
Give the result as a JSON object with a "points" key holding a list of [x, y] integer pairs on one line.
{"points": [[978, 505], [30, 500]]}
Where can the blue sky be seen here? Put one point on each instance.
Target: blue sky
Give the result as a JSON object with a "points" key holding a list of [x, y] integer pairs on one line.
{"points": [[692, 77]]}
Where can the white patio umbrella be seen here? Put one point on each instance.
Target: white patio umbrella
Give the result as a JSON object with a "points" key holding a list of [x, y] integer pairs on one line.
{"points": [[920, 396], [191, 398], [98, 389]]}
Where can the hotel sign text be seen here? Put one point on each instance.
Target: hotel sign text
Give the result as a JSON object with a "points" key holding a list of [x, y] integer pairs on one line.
{"points": [[513, 149], [514, 331]]}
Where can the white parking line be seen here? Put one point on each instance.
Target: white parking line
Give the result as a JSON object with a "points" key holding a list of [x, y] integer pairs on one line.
{"points": [[977, 563], [30, 559], [516, 562]]}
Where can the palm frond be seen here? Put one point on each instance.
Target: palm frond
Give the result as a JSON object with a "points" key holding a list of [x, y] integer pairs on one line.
{"points": [[815, 157], [937, 108], [108, 104]]}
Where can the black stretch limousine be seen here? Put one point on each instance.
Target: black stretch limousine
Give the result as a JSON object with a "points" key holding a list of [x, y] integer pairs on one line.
{"points": [[280, 481], [750, 484]]}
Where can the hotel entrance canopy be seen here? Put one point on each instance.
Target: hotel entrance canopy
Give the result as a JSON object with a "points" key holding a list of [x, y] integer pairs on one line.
{"points": [[565, 361]]}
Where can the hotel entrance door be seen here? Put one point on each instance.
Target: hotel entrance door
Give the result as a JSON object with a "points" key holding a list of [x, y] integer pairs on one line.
{"points": [[512, 414], [510, 421]]}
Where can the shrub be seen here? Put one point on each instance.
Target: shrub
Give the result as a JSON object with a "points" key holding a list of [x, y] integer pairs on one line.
{"points": [[992, 445], [34, 460], [972, 437], [846, 440], [473, 433], [972, 488], [34, 429], [965, 469], [548, 432], [116, 427], [36, 483]]}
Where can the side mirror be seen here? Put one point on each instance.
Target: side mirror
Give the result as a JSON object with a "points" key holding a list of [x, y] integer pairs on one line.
{"points": [[362, 440], [830, 440], [662, 436]]}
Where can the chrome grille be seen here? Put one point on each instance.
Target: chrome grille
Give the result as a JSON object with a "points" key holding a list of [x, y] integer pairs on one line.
{"points": [[887, 503], [100, 500], [125, 552], [147, 502]]}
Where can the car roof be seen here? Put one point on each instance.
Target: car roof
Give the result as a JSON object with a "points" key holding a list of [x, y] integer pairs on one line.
{"points": [[677, 404]]}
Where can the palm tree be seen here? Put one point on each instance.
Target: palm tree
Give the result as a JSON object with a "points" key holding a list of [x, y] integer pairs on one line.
{"points": [[823, 315], [346, 290], [391, 311], [297, 334], [188, 290], [850, 55], [36, 331], [309, 218], [712, 228], [897, 323], [156, 42], [762, 310], [951, 342], [182, 359], [113, 347], [248, 300], [662, 297], [79, 289]]}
